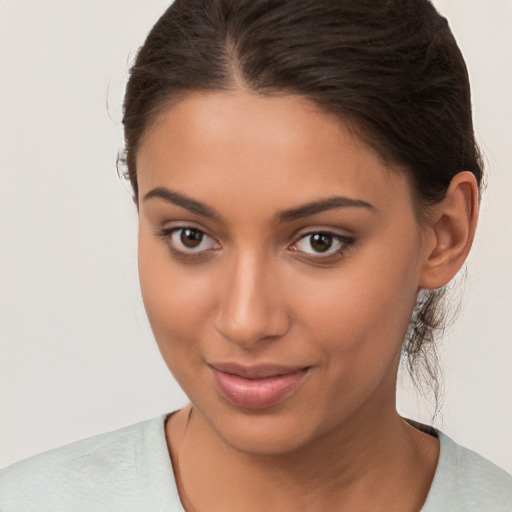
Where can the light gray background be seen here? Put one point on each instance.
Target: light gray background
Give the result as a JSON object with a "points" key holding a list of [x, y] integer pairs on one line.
{"points": [[77, 356]]}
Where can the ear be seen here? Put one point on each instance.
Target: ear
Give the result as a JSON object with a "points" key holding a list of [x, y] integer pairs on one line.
{"points": [[452, 229]]}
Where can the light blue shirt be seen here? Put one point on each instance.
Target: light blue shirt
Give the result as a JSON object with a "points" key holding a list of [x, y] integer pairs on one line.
{"points": [[130, 470]]}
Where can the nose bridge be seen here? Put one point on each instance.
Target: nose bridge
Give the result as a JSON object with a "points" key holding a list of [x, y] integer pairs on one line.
{"points": [[251, 308]]}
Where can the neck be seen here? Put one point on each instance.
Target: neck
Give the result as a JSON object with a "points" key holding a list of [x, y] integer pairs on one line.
{"points": [[360, 466]]}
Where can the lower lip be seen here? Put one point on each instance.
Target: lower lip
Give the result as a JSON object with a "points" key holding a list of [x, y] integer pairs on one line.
{"points": [[257, 393]]}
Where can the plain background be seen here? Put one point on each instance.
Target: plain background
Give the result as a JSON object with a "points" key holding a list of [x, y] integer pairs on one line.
{"points": [[77, 355]]}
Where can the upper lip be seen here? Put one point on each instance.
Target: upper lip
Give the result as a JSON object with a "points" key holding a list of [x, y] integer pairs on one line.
{"points": [[260, 371]]}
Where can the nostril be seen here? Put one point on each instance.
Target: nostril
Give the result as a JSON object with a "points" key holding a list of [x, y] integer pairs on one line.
{"points": [[250, 307], [253, 332]]}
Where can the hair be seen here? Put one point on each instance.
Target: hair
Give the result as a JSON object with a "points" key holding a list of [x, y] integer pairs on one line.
{"points": [[391, 68]]}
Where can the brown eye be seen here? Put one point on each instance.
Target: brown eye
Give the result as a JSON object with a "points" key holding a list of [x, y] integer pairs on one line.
{"points": [[322, 245], [188, 241], [191, 238], [321, 242]]}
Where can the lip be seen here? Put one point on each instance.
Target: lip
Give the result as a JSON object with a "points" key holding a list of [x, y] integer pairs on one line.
{"points": [[256, 387]]}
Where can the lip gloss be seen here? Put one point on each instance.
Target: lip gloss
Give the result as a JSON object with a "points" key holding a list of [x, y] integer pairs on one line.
{"points": [[257, 393]]}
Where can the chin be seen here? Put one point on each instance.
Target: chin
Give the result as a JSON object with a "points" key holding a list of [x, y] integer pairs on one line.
{"points": [[263, 443], [269, 432]]}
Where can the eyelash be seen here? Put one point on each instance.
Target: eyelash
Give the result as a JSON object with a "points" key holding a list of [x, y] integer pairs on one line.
{"points": [[345, 243], [330, 255], [167, 236]]}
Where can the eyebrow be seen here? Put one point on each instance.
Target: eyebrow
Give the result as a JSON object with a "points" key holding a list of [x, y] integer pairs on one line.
{"points": [[305, 210], [330, 203], [182, 200]]}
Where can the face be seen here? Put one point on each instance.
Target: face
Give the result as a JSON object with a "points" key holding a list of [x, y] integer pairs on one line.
{"points": [[279, 261]]}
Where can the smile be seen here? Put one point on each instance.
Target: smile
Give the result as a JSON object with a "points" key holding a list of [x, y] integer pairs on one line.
{"points": [[256, 387]]}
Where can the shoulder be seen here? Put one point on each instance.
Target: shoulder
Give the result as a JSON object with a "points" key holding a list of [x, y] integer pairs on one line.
{"points": [[465, 481], [112, 471]]}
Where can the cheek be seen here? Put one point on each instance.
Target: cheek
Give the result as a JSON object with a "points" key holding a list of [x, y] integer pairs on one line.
{"points": [[362, 311], [177, 298], [355, 323]]}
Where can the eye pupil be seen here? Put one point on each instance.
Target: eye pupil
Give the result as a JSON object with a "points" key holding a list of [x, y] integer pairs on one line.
{"points": [[191, 238], [321, 242]]}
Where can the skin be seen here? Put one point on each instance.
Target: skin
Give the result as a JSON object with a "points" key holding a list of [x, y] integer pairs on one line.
{"points": [[257, 292]]}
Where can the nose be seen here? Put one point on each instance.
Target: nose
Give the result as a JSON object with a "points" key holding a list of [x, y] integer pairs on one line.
{"points": [[251, 308]]}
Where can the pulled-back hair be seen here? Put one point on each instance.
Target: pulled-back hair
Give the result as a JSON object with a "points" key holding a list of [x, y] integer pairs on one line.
{"points": [[391, 68]]}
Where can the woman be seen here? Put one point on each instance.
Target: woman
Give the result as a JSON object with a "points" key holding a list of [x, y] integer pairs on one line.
{"points": [[307, 179]]}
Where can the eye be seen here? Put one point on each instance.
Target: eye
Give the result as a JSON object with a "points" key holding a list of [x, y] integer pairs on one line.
{"points": [[188, 241], [322, 244]]}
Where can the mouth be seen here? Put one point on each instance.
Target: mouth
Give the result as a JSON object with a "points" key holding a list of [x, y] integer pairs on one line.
{"points": [[256, 387]]}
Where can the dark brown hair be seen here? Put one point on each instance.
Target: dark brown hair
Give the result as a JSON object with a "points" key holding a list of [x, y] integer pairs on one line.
{"points": [[390, 67]]}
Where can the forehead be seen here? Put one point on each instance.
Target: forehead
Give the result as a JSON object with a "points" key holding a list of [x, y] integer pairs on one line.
{"points": [[281, 148]]}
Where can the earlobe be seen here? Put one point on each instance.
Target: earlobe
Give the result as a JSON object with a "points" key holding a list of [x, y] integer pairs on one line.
{"points": [[453, 225]]}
